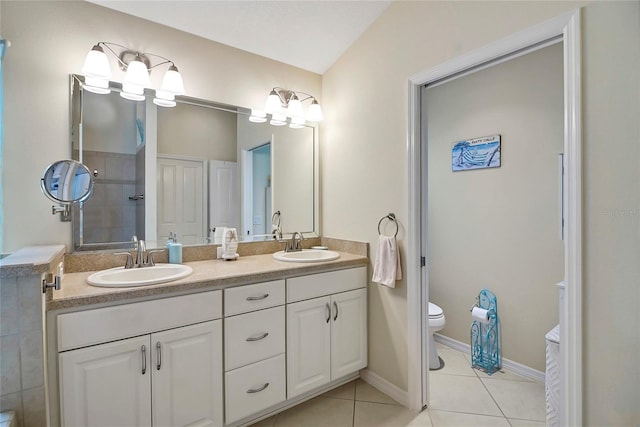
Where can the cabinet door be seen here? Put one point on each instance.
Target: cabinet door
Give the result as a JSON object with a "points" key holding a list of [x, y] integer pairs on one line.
{"points": [[308, 345], [348, 332], [187, 375], [107, 385]]}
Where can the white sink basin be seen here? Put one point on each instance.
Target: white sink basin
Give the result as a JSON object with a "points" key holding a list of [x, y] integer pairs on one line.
{"points": [[306, 255], [121, 277]]}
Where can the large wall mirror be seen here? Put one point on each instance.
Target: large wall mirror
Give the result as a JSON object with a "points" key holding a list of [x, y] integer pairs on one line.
{"points": [[192, 170]]}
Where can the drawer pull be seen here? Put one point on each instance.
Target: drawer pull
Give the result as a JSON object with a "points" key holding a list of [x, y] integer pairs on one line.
{"points": [[143, 350], [259, 389], [257, 298], [261, 337]]}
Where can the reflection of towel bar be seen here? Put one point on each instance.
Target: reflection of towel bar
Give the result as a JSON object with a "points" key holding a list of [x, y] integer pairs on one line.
{"points": [[137, 197], [391, 217]]}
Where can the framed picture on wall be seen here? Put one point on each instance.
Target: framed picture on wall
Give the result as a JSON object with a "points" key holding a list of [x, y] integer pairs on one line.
{"points": [[476, 153]]}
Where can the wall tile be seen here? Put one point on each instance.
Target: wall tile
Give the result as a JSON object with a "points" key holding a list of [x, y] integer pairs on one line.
{"points": [[9, 364], [114, 168], [114, 194], [34, 413], [30, 303], [8, 306], [32, 359]]}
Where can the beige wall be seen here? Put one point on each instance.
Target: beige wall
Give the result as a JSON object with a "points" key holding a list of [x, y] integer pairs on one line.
{"points": [[50, 41], [365, 133], [499, 228], [192, 131], [365, 144], [611, 209]]}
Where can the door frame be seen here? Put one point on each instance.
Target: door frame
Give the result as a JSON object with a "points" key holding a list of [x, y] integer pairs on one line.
{"points": [[566, 27]]}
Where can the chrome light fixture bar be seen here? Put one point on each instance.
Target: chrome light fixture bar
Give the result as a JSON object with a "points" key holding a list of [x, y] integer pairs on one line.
{"points": [[137, 65], [284, 104]]}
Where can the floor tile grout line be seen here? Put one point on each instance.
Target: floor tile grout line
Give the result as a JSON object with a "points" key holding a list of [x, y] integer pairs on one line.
{"points": [[494, 400], [353, 415], [469, 413], [379, 403]]}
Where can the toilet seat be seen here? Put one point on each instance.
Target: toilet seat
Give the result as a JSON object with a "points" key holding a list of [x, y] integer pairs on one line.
{"points": [[435, 323], [435, 311]]}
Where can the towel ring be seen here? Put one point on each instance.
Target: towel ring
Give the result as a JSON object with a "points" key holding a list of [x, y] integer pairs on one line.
{"points": [[391, 217]]}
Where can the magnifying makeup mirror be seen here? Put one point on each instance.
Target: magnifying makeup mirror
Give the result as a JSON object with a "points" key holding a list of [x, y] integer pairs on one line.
{"points": [[66, 182]]}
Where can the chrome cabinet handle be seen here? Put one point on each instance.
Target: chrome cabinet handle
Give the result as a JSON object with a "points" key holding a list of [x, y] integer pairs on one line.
{"points": [[143, 350], [159, 354], [328, 307], [259, 389], [335, 304], [261, 337], [257, 298]]}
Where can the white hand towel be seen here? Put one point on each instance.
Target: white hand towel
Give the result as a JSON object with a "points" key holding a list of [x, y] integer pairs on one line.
{"points": [[386, 268]]}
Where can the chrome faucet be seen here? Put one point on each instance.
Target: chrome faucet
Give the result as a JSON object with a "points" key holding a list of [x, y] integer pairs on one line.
{"points": [[141, 254], [144, 258], [295, 244], [277, 231]]}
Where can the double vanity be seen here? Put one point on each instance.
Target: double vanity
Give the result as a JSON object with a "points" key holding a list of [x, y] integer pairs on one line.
{"points": [[231, 343]]}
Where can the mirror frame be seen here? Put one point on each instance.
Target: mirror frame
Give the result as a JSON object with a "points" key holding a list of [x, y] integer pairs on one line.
{"points": [[76, 83]]}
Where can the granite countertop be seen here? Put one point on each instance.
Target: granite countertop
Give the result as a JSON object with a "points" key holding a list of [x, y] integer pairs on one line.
{"points": [[207, 275], [32, 260]]}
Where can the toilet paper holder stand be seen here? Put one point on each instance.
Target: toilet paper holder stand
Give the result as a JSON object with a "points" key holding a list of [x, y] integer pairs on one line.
{"points": [[485, 335]]}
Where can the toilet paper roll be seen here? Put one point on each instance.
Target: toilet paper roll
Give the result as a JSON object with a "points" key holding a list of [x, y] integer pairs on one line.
{"points": [[480, 315]]}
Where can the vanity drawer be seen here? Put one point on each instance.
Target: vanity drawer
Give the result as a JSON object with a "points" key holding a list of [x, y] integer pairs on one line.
{"points": [[84, 328], [252, 337], [254, 387], [243, 299], [332, 282]]}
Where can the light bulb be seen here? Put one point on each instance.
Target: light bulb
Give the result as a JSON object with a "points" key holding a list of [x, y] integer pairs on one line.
{"points": [[315, 112], [278, 120], [273, 104], [172, 81], [164, 99], [96, 64], [257, 116], [137, 74], [294, 108], [132, 92], [96, 85]]}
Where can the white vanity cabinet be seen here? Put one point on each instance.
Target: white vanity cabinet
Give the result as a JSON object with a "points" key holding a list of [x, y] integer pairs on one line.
{"points": [[254, 347], [326, 328], [169, 375], [103, 385]]}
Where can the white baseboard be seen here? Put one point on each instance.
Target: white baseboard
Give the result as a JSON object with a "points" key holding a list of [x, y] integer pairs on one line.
{"points": [[391, 390], [515, 367]]}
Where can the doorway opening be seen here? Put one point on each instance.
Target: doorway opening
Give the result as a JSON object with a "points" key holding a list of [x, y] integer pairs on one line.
{"points": [[566, 29], [256, 183]]}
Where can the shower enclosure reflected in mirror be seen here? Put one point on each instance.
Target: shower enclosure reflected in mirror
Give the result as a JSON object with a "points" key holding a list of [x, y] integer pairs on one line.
{"points": [[191, 170]]}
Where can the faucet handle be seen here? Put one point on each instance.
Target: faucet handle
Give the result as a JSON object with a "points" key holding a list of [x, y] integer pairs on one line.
{"points": [[150, 256], [129, 262]]}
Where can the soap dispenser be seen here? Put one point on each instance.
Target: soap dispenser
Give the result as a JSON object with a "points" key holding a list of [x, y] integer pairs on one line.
{"points": [[175, 250]]}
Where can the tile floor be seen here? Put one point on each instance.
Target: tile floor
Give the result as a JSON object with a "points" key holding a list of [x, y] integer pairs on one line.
{"points": [[460, 396]]}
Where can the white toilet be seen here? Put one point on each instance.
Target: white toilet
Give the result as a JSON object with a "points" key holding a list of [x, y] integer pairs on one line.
{"points": [[436, 323]]}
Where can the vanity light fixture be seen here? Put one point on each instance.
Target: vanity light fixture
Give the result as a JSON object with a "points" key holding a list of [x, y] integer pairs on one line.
{"points": [[137, 65], [284, 104]]}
